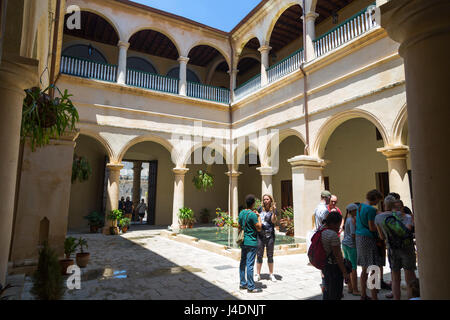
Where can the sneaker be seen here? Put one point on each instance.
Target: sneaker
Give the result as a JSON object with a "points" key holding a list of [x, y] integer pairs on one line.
{"points": [[272, 278], [242, 287], [258, 277], [256, 290]]}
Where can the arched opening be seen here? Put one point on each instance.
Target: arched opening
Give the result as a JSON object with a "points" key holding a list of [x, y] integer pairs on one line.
{"points": [[96, 40], [147, 174], [191, 76], [249, 182], [140, 64], [249, 64], [286, 37], [201, 60], [214, 197], [88, 196], [155, 46], [355, 166]]}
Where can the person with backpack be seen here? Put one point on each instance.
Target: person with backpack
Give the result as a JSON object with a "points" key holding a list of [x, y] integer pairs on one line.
{"points": [[249, 221], [325, 254], [400, 243], [366, 241]]}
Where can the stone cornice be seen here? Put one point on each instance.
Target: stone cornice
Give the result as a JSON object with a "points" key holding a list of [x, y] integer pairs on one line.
{"points": [[395, 152]]}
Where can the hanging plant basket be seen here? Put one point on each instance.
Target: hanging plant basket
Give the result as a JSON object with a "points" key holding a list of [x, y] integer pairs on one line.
{"points": [[203, 180], [44, 117], [81, 169]]}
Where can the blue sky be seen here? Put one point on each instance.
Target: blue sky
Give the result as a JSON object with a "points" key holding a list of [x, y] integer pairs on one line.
{"points": [[220, 14]]}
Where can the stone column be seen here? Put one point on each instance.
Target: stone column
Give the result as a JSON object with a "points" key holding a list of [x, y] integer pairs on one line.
{"points": [[183, 82], [398, 172], [112, 200], [422, 28], [307, 184], [233, 195], [16, 74], [233, 74], [310, 35], [266, 183], [264, 63], [178, 196], [137, 169], [122, 65]]}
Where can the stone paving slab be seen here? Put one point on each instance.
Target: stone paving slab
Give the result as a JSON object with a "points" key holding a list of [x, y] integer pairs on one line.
{"points": [[155, 267]]}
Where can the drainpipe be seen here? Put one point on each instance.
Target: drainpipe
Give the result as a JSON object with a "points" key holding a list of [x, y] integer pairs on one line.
{"points": [[230, 113], [55, 46], [305, 83]]}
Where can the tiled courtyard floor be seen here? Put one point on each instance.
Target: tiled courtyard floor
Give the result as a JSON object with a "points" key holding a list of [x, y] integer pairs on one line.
{"points": [[141, 265]]}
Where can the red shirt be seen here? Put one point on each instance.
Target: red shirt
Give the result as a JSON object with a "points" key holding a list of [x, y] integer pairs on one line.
{"points": [[337, 209]]}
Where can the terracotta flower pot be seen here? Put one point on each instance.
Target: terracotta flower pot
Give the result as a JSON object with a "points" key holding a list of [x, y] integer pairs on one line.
{"points": [[65, 263], [93, 229], [183, 226], [83, 259], [124, 229]]}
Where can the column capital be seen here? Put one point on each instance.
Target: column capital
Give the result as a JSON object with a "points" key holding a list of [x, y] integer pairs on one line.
{"points": [[180, 171], [411, 21], [395, 152], [114, 166], [233, 71], [265, 171], [18, 73], [307, 161], [264, 48], [182, 59], [233, 173], [123, 44], [310, 16]]}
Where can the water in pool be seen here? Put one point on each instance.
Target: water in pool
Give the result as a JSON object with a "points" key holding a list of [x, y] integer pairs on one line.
{"points": [[224, 236]]}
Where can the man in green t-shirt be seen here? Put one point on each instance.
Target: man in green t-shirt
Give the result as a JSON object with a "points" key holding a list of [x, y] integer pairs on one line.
{"points": [[250, 222]]}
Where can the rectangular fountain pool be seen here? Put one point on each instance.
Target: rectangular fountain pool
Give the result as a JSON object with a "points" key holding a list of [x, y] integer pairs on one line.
{"points": [[225, 236]]}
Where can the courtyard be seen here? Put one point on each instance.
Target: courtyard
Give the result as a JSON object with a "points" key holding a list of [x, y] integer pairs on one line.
{"points": [[142, 265]]}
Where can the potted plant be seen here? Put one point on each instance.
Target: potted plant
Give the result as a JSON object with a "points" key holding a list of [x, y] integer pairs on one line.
{"points": [[115, 216], [186, 216], [47, 279], [286, 217], [81, 169], [45, 117], [70, 246], [290, 228], [124, 224], [203, 180], [82, 258], [95, 221], [204, 215]]}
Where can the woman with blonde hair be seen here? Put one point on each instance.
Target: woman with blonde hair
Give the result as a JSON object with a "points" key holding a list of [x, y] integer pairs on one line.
{"points": [[266, 237]]}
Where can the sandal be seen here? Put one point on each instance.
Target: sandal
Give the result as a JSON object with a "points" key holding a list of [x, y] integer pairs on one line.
{"points": [[389, 295]]}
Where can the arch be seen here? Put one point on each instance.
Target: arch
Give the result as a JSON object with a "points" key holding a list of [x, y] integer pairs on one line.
{"points": [[327, 129], [144, 138], [251, 55], [146, 66], [283, 135], [222, 149], [190, 74], [239, 152], [156, 29], [278, 15], [399, 126], [209, 44], [103, 15], [100, 57], [246, 41], [106, 145]]}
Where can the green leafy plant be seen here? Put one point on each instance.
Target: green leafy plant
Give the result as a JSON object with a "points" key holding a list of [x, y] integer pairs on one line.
{"points": [[115, 215], [47, 279], [44, 117], [82, 243], [287, 213], [203, 180], [186, 216], [81, 169], [70, 246], [95, 219], [124, 222], [223, 219]]}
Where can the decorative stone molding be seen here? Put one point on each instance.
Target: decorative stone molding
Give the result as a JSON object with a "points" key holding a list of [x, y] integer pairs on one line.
{"points": [[114, 166], [265, 171], [395, 152], [264, 48], [180, 171], [123, 44], [307, 161], [182, 59], [233, 174]]}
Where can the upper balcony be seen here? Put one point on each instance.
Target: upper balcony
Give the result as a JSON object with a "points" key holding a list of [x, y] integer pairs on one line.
{"points": [[152, 60]]}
